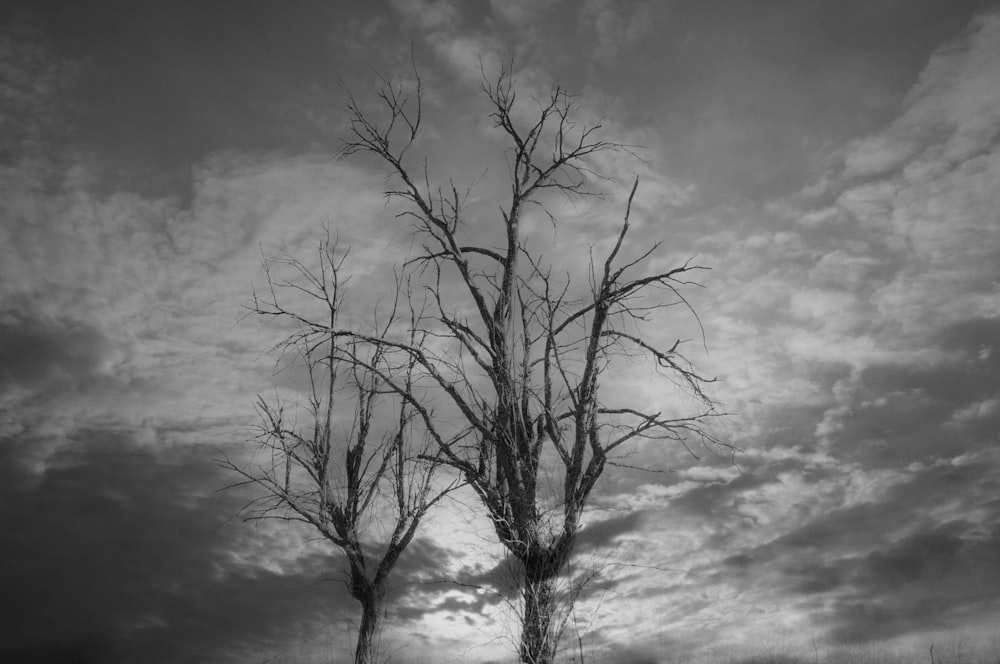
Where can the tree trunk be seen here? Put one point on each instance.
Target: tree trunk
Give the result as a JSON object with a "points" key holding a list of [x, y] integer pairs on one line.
{"points": [[366, 651], [370, 594], [540, 630]]}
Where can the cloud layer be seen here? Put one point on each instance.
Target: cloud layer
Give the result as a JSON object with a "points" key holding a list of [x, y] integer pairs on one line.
{"points": [[841, 186]]}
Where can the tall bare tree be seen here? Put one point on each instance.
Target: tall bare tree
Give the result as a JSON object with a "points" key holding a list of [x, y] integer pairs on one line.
{"points": [[362, 479], [520, 349]]}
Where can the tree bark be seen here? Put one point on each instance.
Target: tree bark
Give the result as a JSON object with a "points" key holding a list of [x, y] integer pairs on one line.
{"points": [[366, 651], [370, 594], [537, 642], [540, 630]]}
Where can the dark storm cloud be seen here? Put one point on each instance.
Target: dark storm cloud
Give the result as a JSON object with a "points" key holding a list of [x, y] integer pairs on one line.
{"points": [[132, 549], [423, 561], [481, 585], [882, 583], [975, 334], [931, 429], [916, 558], [933, 580], [712, 498], [805, 558], [971, 371], [46, 354], [421, 576], [842, 533], [900, 413], [603, 533]]}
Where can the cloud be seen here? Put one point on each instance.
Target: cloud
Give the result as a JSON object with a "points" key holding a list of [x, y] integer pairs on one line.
{"points": [[849, 322], [869, 569], [428, 588], [45, 355], [135, 547], [932, 580], [895, 414], [869, 272], [32, 87], [458, 45], [854, 326], [522, 14], [602, 534], [430, 14], [156, 288], [616, 25], [951, 111]]}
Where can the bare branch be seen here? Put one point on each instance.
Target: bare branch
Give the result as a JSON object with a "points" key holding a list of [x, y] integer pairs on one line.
{"points": [[347, 468], [493, 356]]}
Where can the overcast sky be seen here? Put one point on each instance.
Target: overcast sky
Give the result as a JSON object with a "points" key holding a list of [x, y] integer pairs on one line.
{"points": [[835, 163]]}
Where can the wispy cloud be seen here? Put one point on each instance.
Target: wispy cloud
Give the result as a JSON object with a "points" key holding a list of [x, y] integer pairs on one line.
{"points": [[850, 327], [841, 186]]}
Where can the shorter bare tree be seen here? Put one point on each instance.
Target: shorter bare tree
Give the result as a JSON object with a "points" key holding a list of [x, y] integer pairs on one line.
{"points": [[358, 470]]}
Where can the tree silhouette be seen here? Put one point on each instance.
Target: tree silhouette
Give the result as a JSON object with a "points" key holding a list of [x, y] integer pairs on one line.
{"points": [[518, 348], [362, 481]]}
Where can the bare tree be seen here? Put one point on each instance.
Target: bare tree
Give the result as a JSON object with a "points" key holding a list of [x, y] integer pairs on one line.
{"points": [[519, 348], [361, 479]]}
